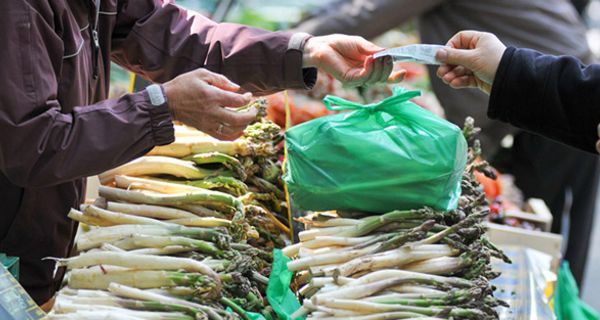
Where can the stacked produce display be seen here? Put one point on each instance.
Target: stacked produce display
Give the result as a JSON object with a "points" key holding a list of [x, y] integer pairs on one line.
{"points": [[187, 231], [184, 232], [403, 264]]}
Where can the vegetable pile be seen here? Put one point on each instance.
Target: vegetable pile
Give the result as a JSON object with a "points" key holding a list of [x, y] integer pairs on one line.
{"points": [[184, 232], [403, 264]]}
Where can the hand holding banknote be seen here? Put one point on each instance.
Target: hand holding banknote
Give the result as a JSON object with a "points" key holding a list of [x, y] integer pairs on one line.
{"points": [[470, 60]]}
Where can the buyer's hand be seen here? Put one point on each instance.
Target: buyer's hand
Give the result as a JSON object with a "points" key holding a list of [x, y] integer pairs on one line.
{"points": [[471, 60], [202, 99], [349, 59]]}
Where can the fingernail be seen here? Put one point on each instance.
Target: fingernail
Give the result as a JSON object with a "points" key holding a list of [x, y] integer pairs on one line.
{"points": [[442, 55]]}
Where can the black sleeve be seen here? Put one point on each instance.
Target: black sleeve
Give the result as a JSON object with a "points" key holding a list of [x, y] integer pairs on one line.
{"points": [[580, 5], [557, 97]]}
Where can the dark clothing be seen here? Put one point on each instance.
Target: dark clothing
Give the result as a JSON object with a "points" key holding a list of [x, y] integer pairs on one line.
{"points": [[557, 97], [580, 5], [55, 125], [533, 161]]}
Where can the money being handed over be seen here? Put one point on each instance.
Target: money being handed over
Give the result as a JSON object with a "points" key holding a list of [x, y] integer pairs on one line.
{"points": [[419, 53]]}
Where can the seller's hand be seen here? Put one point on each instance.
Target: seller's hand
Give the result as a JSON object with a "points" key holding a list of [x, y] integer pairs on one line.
{"points": [[201, 98], [349, 59], [471, 61]]}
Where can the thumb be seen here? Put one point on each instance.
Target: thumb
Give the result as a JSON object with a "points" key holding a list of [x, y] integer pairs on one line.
{"points": [[453, 56]]}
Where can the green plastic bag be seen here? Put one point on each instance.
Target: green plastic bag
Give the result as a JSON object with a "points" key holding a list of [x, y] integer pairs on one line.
{"points": [[567, 305], [377, 158], [280, 296]]}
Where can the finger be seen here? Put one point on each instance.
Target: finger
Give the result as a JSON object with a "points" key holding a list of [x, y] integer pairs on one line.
{"points": [[463, 82], [219, 81], [224, 136], [459, 71], [234, 118], [341, 70], [449, 55], [450, 76], [232, 133], [598, 130], [443, 70], [598, 146], [397, 76], [366, 47], [223, 131], [229, 99], [388, 67], [376, 74], [354, 76], [466, 39]]}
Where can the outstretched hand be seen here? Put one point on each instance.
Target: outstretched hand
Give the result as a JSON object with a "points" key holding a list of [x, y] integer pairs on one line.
{"points": [[350, 60], [470, 60]]}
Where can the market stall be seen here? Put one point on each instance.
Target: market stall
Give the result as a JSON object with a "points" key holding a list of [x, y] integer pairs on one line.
{"points": [[336, 203], [194, 230]]}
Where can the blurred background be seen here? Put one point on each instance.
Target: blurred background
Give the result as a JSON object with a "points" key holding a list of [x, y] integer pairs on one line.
{"points": [[278, 15]]}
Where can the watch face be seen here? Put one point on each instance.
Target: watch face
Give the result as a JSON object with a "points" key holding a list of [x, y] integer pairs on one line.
{"points": [[157, 97]]}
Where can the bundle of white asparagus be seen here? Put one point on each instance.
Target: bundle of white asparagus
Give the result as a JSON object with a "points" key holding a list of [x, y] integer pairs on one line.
{"points": [[181, 233], [415, 264]]}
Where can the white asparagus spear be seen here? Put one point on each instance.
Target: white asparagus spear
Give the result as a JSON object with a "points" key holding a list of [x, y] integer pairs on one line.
{"points": [[149, 165], [134, 293], [137, 261], [101, 278], [393, 258], [150, 211], [168, 250], [127, 182]]}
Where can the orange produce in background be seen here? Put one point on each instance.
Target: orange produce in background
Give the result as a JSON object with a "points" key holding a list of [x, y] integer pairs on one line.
{"points": [[302, 108], [491, 187]]}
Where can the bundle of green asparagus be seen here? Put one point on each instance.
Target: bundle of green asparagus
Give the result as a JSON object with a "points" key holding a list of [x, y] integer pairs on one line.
{"points": [[403, 264], [181, 233], [237, 180]]}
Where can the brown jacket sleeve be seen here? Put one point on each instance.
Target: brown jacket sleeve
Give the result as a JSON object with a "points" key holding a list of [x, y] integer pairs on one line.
{"points": [[160, 40], [44, 143]]}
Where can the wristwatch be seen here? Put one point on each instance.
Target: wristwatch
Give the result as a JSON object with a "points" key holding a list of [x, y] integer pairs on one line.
{"points": [[156, 94]]}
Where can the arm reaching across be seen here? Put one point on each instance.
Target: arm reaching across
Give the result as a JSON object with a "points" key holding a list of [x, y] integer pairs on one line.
{"points": [[557, 97]]}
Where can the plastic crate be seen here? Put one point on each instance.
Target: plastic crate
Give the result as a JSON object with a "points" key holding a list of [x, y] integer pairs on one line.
{"points": [[11, 264]]}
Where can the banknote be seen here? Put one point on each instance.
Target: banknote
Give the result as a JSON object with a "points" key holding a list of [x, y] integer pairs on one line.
{"points": [[419, 53]]}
